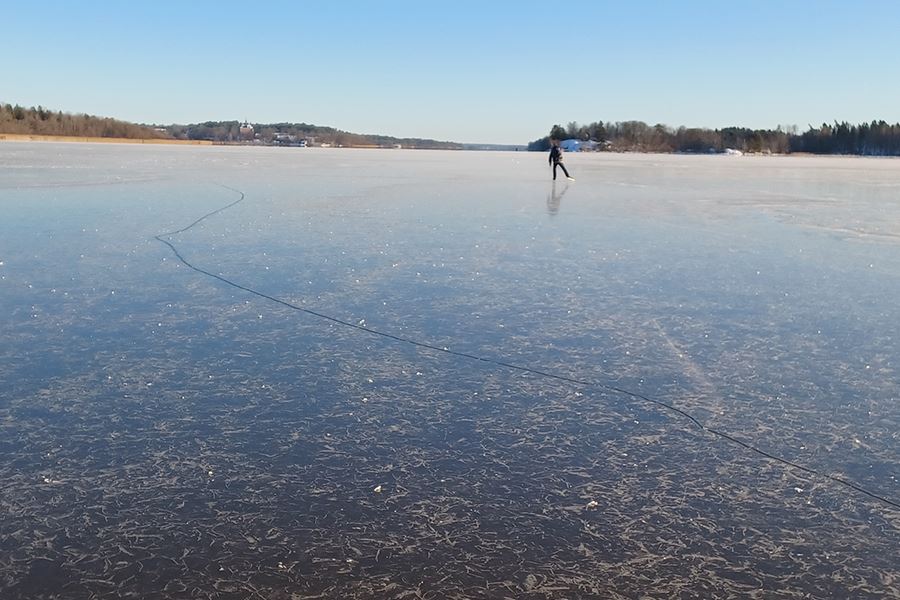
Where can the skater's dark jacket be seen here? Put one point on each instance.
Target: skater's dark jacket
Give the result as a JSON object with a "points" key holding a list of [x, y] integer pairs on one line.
{"points": [[555, 155]]}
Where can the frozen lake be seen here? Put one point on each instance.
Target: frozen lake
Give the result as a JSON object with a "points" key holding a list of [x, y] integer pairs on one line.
{"points": [[424, 374]]}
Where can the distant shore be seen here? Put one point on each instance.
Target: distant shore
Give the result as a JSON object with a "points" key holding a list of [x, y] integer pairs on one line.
{"points": [[28, 137]]}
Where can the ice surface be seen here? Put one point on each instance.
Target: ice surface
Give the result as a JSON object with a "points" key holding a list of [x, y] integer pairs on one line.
{"points": [[163, 433]]}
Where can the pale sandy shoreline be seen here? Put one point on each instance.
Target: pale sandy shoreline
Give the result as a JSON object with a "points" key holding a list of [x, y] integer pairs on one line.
{"points": [[28, 137]]}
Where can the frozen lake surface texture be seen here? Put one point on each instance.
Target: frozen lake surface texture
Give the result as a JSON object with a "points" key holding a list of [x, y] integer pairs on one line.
{"points": [[417, 374]]}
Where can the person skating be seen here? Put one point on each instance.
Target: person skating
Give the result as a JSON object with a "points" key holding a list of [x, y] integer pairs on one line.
{"points": [[556, 159]]}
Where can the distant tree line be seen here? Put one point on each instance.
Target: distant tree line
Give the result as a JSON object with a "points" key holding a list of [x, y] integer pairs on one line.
{"points": [[274, 133], [41, 121], [877, 138]]}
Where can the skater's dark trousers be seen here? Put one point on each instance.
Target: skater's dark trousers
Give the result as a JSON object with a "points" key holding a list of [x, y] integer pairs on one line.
{"points": [[561, 166]]}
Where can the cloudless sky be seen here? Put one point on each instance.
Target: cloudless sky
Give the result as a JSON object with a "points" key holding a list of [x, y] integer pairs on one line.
{"points": [[459, 70]]}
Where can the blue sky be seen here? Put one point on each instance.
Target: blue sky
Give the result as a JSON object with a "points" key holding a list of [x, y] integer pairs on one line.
{"points": [[486, 72]]}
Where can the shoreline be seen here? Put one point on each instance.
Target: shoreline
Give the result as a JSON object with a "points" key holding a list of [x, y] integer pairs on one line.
{"points": [[33, 137]]}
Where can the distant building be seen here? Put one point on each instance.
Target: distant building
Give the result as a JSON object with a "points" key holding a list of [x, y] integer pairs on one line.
{"points": [[574, 145], [288, 139], [246, 131]]}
